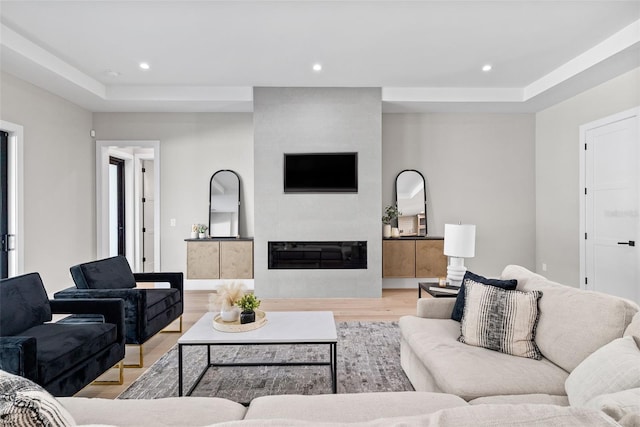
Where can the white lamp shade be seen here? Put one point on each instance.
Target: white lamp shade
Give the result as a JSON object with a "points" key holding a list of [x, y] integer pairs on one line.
{"points": [[460, 240]]}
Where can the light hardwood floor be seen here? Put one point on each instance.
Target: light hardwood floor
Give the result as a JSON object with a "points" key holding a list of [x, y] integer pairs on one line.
{"points": [[393, 304]]}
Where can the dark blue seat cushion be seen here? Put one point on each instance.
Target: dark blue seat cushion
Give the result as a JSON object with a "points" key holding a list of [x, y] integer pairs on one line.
{"points": [[62, 346], [159, 300], [109, 273], [24, 304]]}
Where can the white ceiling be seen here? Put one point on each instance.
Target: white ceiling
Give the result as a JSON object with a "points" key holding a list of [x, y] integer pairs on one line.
{"points": [[207, 55]]}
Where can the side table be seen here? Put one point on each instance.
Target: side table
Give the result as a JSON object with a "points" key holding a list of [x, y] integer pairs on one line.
{"points": [[425, 286]]}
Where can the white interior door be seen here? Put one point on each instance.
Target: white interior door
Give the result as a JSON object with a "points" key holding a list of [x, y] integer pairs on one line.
{"points": [[612, 223]]}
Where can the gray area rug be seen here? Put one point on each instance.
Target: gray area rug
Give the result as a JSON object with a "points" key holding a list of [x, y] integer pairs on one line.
{"points": [[368, 361]]}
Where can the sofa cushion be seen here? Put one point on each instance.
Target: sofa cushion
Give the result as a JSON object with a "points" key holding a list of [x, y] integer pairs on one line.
{"points": [[109, 273], [23, 304], [612, 368], [472, 372], [350, 407], [500, 320], [617, 405], [62, 346], [589, 319], [24, 403], [516, 399], [471, 416], [634, 326], [458, 308], [169, 411]]}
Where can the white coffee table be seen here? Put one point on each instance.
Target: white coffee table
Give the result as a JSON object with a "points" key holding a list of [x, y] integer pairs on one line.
{"points": [[282, 328]]}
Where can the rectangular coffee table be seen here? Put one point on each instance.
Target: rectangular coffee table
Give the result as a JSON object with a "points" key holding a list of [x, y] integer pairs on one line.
{"points": [[282, 328]]}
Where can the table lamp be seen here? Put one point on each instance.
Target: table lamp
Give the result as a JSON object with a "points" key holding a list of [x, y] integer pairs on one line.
{"points": [[459, 243]]}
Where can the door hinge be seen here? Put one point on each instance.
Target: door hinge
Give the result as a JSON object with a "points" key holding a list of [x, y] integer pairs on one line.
{"points": [[144, 259], [144, 230], [585, 191], [585, 236], [143, 170], [144, 200], [586, 281], [585, 146]]}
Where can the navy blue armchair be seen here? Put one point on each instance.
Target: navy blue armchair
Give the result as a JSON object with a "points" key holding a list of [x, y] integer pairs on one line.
{"points": [[63, 357], [147, 310]]}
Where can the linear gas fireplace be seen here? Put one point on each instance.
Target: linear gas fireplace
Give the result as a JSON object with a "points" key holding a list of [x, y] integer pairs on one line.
{"points": [[317, 255]]}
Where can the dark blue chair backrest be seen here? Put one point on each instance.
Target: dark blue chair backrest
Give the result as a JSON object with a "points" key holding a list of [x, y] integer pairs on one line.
{"points": [[23, 304], [108, 273]]}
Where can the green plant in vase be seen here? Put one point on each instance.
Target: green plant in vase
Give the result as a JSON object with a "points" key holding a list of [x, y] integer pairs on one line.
{"points": [[390, 213], [248, 304]]}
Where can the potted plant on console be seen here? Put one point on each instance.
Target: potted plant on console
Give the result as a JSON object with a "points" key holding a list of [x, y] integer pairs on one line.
{"points": [[248, 303], [390, 213]]}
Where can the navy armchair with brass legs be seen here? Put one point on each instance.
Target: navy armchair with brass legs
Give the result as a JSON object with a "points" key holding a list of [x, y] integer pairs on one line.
{"points": [[147, 310], [61, 357]]}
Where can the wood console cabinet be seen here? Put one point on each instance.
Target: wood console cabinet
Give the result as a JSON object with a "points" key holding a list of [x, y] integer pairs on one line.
{"points": [[406, 258], [219, 259]]}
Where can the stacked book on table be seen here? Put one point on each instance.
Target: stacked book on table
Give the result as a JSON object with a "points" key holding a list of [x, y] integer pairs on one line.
{"points": [[447, 290]]}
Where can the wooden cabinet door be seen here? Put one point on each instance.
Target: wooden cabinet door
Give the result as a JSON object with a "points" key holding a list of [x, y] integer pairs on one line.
{"points": [[236, 260], [398, 258], [430, 258], [203, 260]]}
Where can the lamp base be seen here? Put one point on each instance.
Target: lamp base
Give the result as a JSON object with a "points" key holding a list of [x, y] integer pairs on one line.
{"points": [[456, 271]]}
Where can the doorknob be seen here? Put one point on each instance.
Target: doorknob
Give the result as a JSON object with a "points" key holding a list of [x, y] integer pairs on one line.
{"points": [[630, 243]]}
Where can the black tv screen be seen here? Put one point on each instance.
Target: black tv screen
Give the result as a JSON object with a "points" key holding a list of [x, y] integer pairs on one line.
{"points": [[321, 173]]}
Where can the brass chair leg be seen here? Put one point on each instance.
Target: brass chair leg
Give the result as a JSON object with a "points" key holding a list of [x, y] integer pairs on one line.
{"points": [[140, 358], [173, 330], [120, 379]]}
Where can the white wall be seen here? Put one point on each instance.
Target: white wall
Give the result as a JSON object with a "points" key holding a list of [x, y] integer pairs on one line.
{"points": [[557, 171], [193, 146], [478, 169], [299, 120], [59, 180]]}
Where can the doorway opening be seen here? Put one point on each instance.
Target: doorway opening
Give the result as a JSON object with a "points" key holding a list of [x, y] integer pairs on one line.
{"points": [[128, 193], [117, 206]]}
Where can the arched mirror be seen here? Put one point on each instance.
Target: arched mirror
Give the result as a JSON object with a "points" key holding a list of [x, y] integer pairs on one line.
{"points": [[412, 203], [224, 204]]}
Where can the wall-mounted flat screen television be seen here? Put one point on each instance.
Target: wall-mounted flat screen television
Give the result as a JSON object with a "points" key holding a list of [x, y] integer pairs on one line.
{"points": [[321, 172]]}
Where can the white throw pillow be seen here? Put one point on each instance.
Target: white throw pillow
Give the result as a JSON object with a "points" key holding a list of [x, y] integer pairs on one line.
{"points": [[612, 368]]}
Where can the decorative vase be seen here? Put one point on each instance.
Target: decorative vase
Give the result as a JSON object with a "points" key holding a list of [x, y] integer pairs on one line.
{"points": [[229, 313], [395, 232], [247, 317], [194, 234], [201, 235], [386, 231]]}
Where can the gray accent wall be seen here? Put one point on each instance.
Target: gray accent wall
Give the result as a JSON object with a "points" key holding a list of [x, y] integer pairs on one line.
{"points": [[311, 120]]}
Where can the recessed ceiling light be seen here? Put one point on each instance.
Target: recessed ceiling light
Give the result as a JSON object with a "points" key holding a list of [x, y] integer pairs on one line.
{"points": [[144, 65], [486, 67], [317, 67]]}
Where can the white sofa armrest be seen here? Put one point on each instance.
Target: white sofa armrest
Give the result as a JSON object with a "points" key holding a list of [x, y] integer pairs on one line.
{"points": [[435, 308]]}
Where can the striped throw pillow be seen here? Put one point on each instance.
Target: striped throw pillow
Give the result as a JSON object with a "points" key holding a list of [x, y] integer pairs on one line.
{"points": [[501, 320], [24, 403]]}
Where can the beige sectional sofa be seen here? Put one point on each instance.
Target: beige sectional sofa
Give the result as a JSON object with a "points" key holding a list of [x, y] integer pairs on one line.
{"points": [[406, 409], [572, 324], [457, 384]]}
